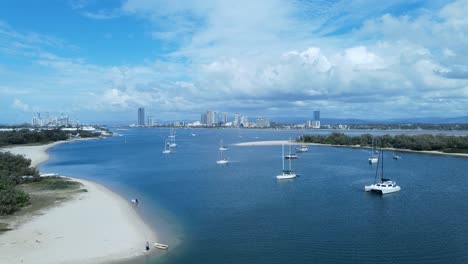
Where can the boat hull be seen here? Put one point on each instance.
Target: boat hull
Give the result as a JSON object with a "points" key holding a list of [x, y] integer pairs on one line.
{"points": [[222, 161], [161, 246], [286, 176], [381, 190]]}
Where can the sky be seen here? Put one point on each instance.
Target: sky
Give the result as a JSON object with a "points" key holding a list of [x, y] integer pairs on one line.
{"points": [[99, 60]]}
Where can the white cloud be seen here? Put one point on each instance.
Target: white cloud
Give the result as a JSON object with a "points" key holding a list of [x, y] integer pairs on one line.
{"points": [[17, 104], [256, 56]]}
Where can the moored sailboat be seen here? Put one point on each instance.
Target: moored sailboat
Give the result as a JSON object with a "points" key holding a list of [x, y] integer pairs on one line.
{"points": [[286, 174], [373, 158], [222, 159], [166, 149], [385, 185]]}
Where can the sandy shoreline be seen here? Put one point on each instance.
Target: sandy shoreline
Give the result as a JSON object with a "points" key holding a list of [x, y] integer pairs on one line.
{"points": [[287, 142], [97, 226]]}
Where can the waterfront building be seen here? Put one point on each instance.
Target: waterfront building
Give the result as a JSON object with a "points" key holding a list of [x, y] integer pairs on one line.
{"points": [[209, 118], [223, 118], [141, 116], [262, 122], [236, 120], [150, 121], [244, 121], [316, 123]]}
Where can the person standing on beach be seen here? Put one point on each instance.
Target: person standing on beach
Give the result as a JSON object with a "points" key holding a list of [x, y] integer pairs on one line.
{"points": [[147, 246]]}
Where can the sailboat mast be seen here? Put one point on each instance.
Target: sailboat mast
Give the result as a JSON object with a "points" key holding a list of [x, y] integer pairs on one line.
{"points": [[282, 155], [381, 150]]}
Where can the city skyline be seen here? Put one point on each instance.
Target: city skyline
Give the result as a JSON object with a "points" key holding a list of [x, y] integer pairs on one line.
{"points": [[351, 59]]}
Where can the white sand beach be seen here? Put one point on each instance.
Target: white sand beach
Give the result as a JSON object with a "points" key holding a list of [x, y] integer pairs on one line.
{"points": [[265, 143], [97, 226]]}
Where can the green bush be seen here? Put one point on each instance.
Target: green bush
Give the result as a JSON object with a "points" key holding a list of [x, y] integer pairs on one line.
{"points": [[11, 199]]}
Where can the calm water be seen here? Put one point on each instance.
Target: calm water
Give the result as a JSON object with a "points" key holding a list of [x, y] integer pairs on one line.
{"points": [[241, 214]]}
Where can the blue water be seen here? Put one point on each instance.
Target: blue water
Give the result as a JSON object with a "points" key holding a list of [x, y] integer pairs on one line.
{"points": [[241, 214]]}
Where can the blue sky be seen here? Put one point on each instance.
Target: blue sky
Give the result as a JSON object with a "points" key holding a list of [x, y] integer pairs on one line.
{"points": [[100, 60]]}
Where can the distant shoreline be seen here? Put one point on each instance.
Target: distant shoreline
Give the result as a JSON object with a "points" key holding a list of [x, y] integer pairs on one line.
{"points": [[287, 142], [96, 226]]}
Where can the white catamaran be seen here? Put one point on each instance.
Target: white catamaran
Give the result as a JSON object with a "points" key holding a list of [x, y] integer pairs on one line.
{"points": [[385, 185]]}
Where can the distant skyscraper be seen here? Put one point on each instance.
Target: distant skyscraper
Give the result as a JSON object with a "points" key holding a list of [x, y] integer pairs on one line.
{"points": [[150, 121], [203, 119], [262, 122], [244, 121], [209, 118], [316, 123], [236, 119], [214, 117], [141, 116], [224, 117]]}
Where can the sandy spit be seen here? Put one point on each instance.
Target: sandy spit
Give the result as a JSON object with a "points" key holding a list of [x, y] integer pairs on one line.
{"points": [[97, 226]]}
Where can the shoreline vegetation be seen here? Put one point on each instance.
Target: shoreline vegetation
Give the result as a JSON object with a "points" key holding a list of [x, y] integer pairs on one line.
{"points": [[31, 137], [424, 142], [66, 219], [296, 142]]}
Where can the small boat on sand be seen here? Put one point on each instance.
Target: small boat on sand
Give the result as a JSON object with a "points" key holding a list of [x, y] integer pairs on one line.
{"points": [[161, 246]]}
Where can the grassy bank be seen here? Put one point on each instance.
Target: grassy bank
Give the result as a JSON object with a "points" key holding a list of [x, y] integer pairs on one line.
{"points": [[47, 192]]}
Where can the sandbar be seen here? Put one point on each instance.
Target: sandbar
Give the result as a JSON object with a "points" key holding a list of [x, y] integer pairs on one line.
{"points": [[96, 226]]}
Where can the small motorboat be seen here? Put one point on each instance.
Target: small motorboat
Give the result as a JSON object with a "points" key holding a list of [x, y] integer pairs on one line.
{"points": [[161, 246]]}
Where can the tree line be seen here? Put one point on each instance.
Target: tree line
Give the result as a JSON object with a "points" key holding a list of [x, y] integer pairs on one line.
{"points": [[440, 142], [26, 136], [14, 170]]}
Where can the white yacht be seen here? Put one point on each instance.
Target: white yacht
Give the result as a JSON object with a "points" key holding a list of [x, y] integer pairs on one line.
{"points": [[373, 158], [385, 185], [221, 146], [222, 159], [396, 157], [172, 136], [290, 155], [286, 174], [302, 148], [166, 149]]}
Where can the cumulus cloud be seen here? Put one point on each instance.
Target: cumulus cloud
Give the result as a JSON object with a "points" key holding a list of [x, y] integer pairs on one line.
{"points": [[17, 104], [263, 57]]}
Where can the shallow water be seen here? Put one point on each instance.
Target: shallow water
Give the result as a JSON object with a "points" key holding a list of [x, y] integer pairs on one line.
{"points": [[240, 213]]}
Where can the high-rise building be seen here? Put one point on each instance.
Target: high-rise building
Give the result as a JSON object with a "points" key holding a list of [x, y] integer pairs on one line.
{"points": [[214, 117], [236, 120], [316, 123], [209, 118], [244, 121], [224, 118], [35, 121], [262, 122], [203, 119], [141, 116], [150, 121]]}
